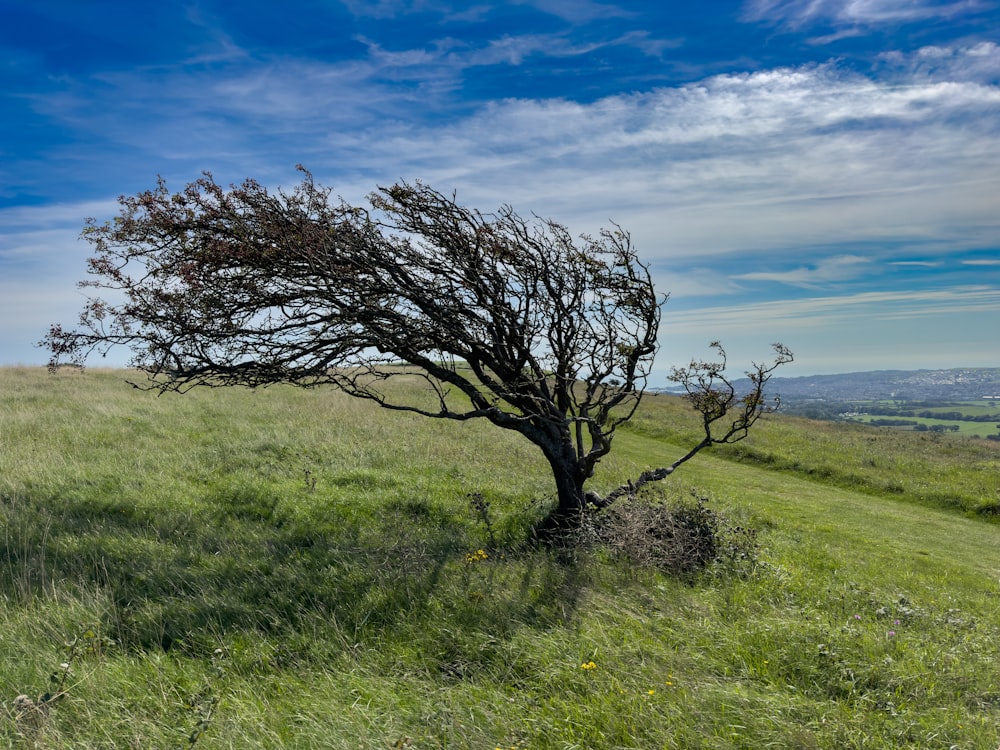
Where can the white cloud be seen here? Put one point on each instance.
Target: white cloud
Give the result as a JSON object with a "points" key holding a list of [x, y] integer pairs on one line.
{"points": [[578, 11], [52, 216], [695, 282], [774, 160], [769, 161], [980, 62], [827, 270], [810, 312], [798, 13], [796, 175], [934, 328], [39, 268], [762, 165]]}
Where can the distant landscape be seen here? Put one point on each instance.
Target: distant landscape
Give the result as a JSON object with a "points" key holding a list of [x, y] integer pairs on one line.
{"points": [[964, 401], [958, 384]]}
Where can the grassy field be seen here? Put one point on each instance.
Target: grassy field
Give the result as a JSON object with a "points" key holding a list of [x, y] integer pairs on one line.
{"points": [[938, 417], [290, 568], [964, 429]]}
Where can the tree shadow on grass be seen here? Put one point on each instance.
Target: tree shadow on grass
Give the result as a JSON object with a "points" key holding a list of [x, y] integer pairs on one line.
{"points": [[233, 563]]}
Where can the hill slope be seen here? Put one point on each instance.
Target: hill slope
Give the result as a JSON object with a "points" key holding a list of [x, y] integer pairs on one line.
{"points": [[290, 568]]}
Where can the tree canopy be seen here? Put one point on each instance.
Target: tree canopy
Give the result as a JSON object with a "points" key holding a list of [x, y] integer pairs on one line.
{"points": [[501, 317]]}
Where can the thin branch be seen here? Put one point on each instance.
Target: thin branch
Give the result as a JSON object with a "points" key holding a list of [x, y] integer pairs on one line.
{"points": [[714, 396]]}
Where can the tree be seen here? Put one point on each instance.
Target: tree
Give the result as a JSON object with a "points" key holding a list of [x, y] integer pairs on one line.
{"points": [[500, 317]]}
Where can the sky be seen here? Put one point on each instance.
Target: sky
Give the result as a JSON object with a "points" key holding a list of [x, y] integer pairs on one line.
{"points": [[823, 173]]}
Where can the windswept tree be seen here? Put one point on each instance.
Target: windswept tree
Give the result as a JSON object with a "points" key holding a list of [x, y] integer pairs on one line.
{"points": [[503, 318]]}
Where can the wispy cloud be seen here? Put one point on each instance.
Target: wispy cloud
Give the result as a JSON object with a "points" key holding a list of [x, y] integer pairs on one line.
{"points": [[809, 312], [827, 270], [454, 56], [573, 11], [836, 183], [696, 282], [730, 163], [218, 46], [382, 9], [579, 11], [911, 328], [797, 13], [739, 162], [979, 62]]}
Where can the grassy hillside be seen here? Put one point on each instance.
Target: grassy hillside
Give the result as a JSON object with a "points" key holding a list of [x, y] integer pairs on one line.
{"points": [[939, 470], [289, 568]]}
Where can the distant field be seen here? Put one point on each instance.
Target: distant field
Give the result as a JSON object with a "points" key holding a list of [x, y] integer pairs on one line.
{"points": [[967, 418], [293, 569]]}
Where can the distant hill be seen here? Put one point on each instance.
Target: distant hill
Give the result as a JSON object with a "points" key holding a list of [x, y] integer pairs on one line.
{"points": [[958, 384]]}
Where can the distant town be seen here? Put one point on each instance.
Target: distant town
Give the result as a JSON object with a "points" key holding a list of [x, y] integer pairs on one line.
{"points": [[959, 384]]}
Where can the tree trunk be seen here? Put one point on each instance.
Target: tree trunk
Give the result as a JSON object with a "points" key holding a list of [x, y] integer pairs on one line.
{"points": [[572, 499]]}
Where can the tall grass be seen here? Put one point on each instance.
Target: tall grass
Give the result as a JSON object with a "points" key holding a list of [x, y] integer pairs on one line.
{"points": [[290, 568]]}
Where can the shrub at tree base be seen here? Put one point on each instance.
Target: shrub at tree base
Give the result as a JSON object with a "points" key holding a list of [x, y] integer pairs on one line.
{"points": [[680, 536]]}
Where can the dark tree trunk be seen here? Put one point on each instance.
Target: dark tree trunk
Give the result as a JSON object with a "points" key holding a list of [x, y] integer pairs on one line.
{"points": [[571, 498]]}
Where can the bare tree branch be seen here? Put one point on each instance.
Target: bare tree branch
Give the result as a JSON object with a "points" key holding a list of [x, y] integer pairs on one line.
{"points": [[725, 415]]}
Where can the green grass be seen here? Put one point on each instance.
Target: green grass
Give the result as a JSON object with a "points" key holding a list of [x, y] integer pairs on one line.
{"points": [[965, 429], [290, 568], [982, 409], [942, 471]]}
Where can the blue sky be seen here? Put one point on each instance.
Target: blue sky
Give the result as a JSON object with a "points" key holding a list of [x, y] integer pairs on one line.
{"points": [[825, 173]]}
